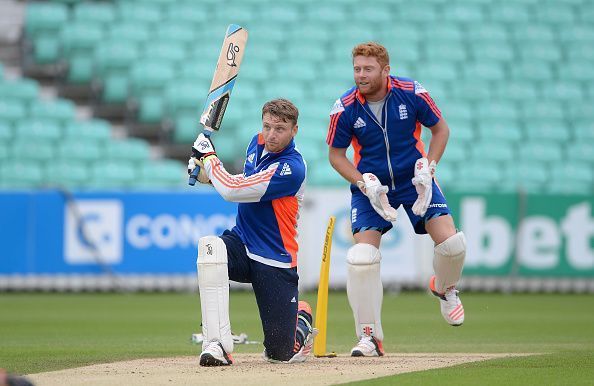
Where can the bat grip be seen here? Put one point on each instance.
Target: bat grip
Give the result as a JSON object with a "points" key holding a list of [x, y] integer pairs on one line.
{"points": [[196, 171]]}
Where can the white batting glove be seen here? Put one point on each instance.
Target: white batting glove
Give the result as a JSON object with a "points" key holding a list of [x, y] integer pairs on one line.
{"points": [[202, 176], [423, 182], [376, 192]]}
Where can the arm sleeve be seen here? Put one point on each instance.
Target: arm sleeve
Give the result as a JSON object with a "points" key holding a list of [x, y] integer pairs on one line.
{"points": [[340, 132], [265, 185], [427, 112]]}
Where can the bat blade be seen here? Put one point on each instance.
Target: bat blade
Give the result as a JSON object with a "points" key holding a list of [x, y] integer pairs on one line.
{"points": [[224, 77]]}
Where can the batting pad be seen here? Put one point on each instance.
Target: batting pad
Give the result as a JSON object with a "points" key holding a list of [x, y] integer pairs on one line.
{"points": [[448, 261], [365, 290], [213, 282]]}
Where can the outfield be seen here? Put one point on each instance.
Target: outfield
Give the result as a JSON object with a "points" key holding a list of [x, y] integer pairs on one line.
{"points": [[43, 332]]}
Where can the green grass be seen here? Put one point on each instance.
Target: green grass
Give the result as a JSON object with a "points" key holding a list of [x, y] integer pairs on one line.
{"points": [[43, 332]]}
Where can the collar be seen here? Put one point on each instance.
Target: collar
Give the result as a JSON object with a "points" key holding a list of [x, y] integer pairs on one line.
{"points": [[360, 96], [270, 154]]}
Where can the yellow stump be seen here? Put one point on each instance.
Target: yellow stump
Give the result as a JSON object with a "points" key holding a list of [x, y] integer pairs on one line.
{"points": [[322, 305]]}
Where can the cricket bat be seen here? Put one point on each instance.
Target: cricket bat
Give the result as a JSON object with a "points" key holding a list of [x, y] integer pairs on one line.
{"points": [[222, 83]]}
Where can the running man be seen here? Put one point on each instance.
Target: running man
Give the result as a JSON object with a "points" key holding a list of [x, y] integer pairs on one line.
{"points": [[381, 117], [262, 248]]}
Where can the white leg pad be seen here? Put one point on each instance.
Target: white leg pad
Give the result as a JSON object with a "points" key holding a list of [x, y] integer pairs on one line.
{"points": [[448, 261], [365, 290], [213, 282]]}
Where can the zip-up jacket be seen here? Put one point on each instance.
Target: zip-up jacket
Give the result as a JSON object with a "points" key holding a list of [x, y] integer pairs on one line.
{"points": [[270, 194], [390, 147]]}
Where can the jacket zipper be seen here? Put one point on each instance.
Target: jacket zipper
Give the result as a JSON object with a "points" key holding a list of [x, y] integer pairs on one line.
{"points": [[385, 132]]}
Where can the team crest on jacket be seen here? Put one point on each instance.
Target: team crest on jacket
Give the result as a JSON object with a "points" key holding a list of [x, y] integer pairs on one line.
{"points": [[286, 170], [337, 108], [402, 111]]}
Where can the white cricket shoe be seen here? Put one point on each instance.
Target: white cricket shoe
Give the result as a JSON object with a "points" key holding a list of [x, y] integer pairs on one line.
{"points": [[452, 309], [215, 355], [368, 346]]}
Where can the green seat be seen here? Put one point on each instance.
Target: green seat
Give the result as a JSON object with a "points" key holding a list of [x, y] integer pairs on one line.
{"points": [[81, 150], [312, 151], [187, 13], [463, 13], [516, 91], [580, 151], [25, 90], [556, 130], [493, 150], [543, 109], [165, 49], [196, 67], [1, 72], [102, 13], [114, 57], [444, 33], [509, 12], [128, 31], [401, 32], [38, 130], [255, 72], [92, 129], [20, 174], [489, 33], [143, 12], [402, 51], [417, 12], [6, 133], [554, 14], [438, 71], [299, 50], [180, 32], [267, 33], [528, 175], [186, 128], [531, 71], [66, 174], [80, 70], [451, 51], [300, 71], [568, 187], [284, 88], [80, 38], [453, 109], [129, 149], [114, 89], [44, 18], [583, 130], [470, 89], [485, 70], [112, 174], [447, 175], [492, 51], [541, 151], [285, 12], [240, 13], [534, 33], [480, 171], [162, 174], [572, 172], [22, 149], [567, 91], [582, 71], [4, 151], [551, 53], [323, 174], [498, 110], [327, 13], [580, 52], [59, 110], [455, 152], [583, 109], [11, 110], [582, 33], [461, 130], [147, 82], [500, 129], [46, 50], [180, 97]]}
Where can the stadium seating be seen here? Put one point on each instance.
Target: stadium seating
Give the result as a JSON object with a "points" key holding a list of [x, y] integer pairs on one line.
{"points": [[514, 79]]}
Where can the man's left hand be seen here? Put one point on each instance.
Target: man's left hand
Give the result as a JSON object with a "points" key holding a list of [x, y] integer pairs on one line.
{"points": [[202, 175], [203, 147], [423, 182]]}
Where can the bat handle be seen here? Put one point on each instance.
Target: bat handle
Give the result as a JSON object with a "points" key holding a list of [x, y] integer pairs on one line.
{"points": [[194, 175]]}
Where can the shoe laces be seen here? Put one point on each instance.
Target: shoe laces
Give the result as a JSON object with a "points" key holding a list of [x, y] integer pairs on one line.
{"points": [[366, 341]]}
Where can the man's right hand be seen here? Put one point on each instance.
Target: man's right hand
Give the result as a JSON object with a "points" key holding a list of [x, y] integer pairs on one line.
{"points": [[376, 192]]}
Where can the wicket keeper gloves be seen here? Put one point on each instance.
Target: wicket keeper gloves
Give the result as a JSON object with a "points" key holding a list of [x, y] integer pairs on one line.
{"points": [[203, 147], [423, 182], [202, 176], [376, 192]]}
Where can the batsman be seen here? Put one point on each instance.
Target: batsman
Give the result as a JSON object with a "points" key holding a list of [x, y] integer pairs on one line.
{"points": [[262, 247]]}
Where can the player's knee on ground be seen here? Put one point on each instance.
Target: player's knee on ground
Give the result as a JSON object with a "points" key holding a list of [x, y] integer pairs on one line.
{"points": [[448, 261], [364, 288], [213, 282]]}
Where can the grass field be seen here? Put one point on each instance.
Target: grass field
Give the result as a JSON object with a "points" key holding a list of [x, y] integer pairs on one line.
{"points": [[42, 332]]}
